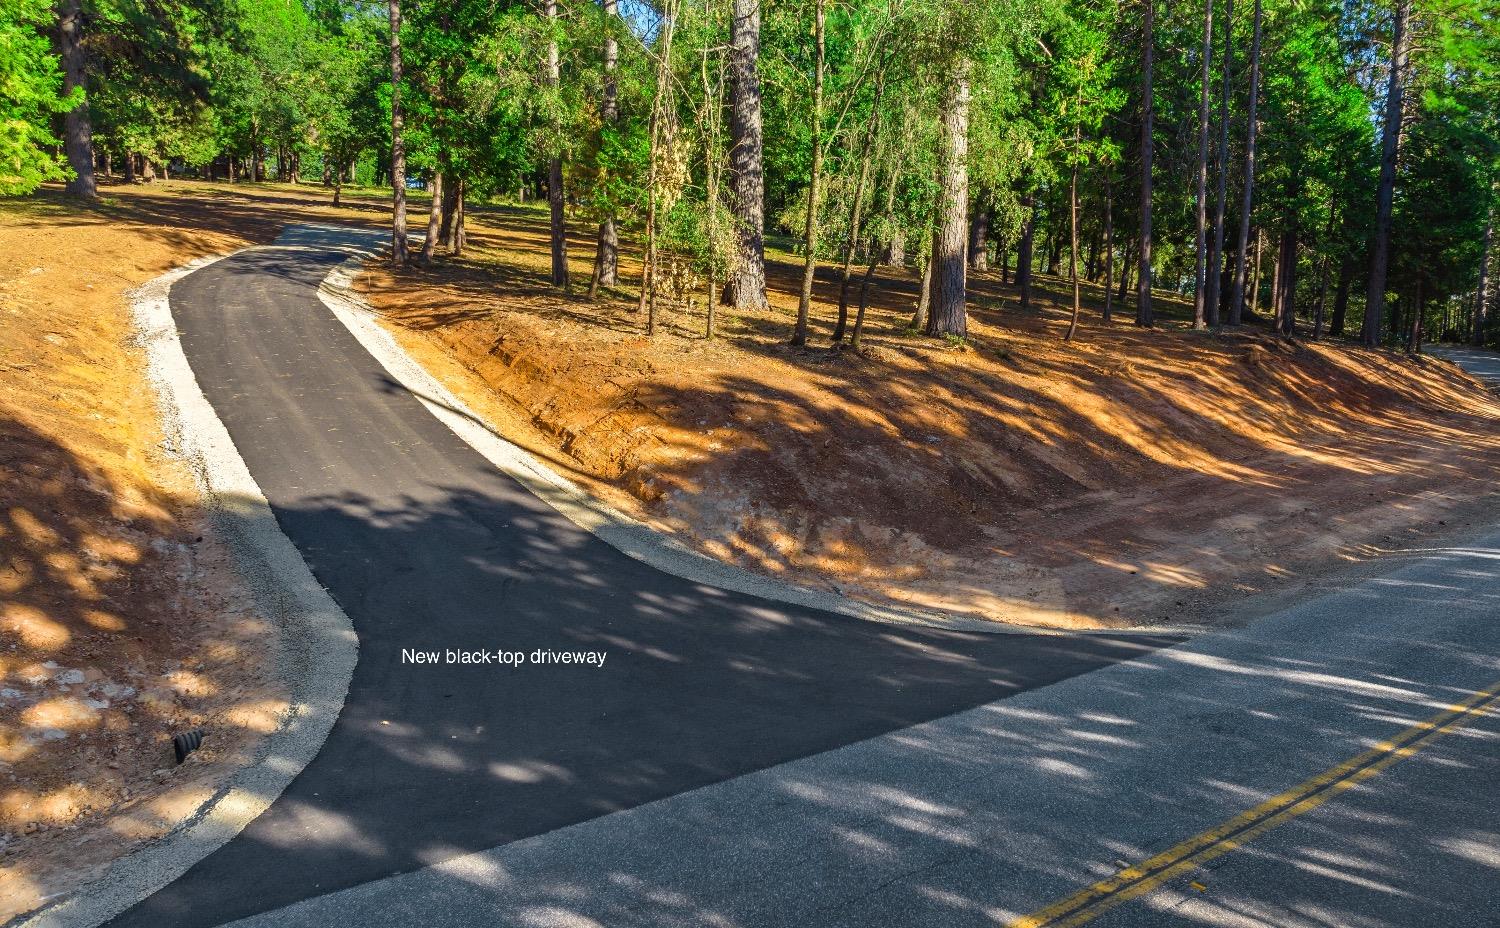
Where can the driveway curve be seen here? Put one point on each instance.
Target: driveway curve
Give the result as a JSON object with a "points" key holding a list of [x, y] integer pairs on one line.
{"points": [[428, 548]]}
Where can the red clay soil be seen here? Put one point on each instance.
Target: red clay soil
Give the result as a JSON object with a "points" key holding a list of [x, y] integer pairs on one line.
{"points": [[122, 620], [1127, 477]]}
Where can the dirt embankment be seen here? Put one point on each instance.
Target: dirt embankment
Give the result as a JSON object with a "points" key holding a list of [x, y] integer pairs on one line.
{"points": [[121, 619], [1127, 477]]}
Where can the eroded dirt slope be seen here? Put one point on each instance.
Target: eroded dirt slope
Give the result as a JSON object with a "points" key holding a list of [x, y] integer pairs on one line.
{"points": [[1127, 477]]}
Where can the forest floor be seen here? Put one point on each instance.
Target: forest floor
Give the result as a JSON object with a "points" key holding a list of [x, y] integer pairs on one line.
{"points": [[1128, 477], [122, 620]]}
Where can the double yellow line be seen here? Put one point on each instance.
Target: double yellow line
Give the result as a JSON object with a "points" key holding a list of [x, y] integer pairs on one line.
{"points": [[1139, 879]]}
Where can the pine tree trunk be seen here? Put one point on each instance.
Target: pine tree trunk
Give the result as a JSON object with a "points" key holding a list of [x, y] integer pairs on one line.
{"points": [[1214, 296], [1109, 248], [893, 177], [398, 145], [1200, 225], [78, 128], [815, 183], [1481, 297], [1091, 269], [1341, 298], [1024, 250], [555, 194], [1320, 302], [1247, 199], [949, 315], [460, 230], [1255, 286], [607, 255], [1385, 192], [434, 219], [979, 236], [924, 300], [1073, 236], [1143, 313], [855, 216], [746, 288], [1414, 331], [450, 213]]}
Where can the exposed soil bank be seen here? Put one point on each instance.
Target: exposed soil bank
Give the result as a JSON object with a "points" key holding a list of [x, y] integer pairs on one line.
{"points": [[1128, 477]]}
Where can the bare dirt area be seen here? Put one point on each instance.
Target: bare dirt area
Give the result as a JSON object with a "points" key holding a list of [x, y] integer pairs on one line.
{"points": [[122, 619], [1128, 477]]}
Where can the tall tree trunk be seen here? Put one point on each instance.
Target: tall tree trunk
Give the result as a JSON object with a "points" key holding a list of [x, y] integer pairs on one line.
{"points": [[1143, 313], [555, 199], [398, 145], [1109, 246], [949, 315], [924, 298], [1247, 199], [855, 216], [815, 183], [1321, 302], [1091, 268], [434, 219], [607, 255], [1073, 234], [979, 236], [450, 213], [662, 131], [78, 127], [893, 177], [1213, 296], [1255, 286], [746, 288], [857, 335], [1024, 254], [1395, 95], [460, 231], [1127, 261], [1414, 331], [1481, 298], [1200, 227], [1341, 298]]}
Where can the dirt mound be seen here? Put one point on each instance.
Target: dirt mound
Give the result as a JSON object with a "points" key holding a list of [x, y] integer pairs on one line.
{"points": [[1128, 476]]}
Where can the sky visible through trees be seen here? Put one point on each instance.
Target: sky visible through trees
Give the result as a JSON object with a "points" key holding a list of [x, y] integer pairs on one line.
{"points": [[1326, 167]]}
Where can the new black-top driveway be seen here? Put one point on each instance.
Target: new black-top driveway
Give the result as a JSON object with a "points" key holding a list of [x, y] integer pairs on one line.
{"points": [[427, 546]]}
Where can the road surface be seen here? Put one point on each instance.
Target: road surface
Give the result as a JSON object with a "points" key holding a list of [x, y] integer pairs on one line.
{"points": [[742, 763]]}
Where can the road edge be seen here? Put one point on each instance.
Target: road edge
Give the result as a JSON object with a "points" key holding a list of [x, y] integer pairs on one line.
{"points": [[315, 652], [629, 536]]}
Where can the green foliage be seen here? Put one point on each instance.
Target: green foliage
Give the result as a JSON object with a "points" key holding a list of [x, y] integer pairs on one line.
{"points": [[30, 93]]}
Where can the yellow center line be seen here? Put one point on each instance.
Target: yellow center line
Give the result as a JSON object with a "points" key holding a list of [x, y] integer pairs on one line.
{"points": [[1139, 879]]}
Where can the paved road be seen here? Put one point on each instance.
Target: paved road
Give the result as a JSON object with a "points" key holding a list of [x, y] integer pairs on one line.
{"points": [[1480, 362], [987, 816], [427, 547]]}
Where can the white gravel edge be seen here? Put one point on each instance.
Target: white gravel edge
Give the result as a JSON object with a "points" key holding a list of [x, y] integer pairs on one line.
{"points": [[316, 649], [629, 536]]}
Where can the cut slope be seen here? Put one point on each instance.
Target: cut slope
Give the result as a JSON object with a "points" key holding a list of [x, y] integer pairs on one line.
{"points": [[1130, 476]]}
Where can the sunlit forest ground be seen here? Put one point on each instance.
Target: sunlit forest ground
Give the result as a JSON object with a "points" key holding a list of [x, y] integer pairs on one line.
{"points": [[1126, 477]]}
